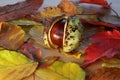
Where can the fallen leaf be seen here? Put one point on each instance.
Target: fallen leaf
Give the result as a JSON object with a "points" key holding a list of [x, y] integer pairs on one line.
{"points": [[111, 63], [31, 77], [104, 44], [36, 34], [61, 71], [88, 17], [48, 61], [24, 22], [104, 74], [26, 25], [93, 9], [68, 7], [111, 19], [98, 23], [11, 36], [31, 52], [15, 66], [64, 7], [18, 10], [49, 12], [103, 63]]}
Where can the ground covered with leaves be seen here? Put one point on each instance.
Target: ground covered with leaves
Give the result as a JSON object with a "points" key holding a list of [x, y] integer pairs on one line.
{"points": [[24, 56]]}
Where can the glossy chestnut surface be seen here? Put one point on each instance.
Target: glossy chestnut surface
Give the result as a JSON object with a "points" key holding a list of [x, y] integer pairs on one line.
{"points": [[57, 32]]}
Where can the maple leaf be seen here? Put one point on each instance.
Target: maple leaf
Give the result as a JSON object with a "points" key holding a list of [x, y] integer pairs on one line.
{"points": [[100, 2], [104, 44]]}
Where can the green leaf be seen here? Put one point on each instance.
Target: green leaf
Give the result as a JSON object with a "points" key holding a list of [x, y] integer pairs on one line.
{"points": [[15, 66], [61, 71]]}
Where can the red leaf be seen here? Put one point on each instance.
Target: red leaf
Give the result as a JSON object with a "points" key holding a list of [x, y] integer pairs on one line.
{"points": [[100, 2], [105, 44]]}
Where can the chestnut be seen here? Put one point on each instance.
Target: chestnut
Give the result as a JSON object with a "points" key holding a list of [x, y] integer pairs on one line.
{"points": [[65, 32]]}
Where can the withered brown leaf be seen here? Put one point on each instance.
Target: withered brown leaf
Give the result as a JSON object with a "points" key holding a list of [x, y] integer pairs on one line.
{"points": [[18, 10]]}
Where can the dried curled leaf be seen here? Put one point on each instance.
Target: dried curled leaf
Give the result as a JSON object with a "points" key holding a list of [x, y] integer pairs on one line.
{"points": [[15, 66], [61, 71], [18, 10], [11, 36], [105, 74], [68, 7]]}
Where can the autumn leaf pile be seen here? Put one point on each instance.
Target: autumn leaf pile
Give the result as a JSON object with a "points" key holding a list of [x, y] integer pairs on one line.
{"points": [[24, 56]]}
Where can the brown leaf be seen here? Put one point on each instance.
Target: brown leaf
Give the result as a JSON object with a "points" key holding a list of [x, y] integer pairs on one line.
{"points": [[11, 36], [17, 10]]}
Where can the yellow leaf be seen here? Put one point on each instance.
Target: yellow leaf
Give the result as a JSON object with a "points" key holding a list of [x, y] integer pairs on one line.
{"points": [[15, 66], [61, 71]]}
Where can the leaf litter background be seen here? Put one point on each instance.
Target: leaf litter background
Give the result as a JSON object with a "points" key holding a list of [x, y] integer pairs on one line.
{"points": [[30, 49]]}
